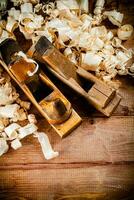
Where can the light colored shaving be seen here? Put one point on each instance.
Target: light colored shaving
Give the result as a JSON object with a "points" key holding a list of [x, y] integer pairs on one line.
{"points": [[46, 146], [69, 25], [83, 40]]}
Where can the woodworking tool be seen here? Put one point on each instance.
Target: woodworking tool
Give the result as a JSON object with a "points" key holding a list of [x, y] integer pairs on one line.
{"points": [[96, 92], [40, 90]]}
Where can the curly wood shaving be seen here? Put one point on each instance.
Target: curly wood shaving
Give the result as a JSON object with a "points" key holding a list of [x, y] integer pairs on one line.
{"points": [[27, 130], [115, 17], [26, 8], [25, 18], [109, 36], [82, 39], [24, 104], [11, 130], [122, 57], [125, 32], [86, 22], [48, 8], [16, 144], [19, 2], [66, 26], [46, 33], [68, 52], [90, 61], [3, 146], [99, 7], [7, 94], [14, 13], [84, 6], [67, 4], [46, 146], [9, 111], [3, 135], [132, 68], [26, 34], [20, 115], [29, 23], [97, 44], [85, 41], [3, 123], [32, 119], [34, 1], [108, 50], [29, 60], [99, 31], [11, 25], [37, 7]]}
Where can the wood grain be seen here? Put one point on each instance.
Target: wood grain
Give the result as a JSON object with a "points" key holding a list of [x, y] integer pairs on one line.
{"points": [[95, 141], [98, 157], [114, 181]]}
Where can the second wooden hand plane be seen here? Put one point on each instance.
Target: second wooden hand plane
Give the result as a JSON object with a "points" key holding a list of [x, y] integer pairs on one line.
{"points": [[47, 98], [98, 93]]}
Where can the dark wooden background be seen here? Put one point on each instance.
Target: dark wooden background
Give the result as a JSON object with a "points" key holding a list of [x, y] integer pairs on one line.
{"points": [[98, 157]]}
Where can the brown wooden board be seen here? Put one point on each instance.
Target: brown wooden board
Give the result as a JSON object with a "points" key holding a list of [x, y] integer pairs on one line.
{"points": [[95, 141], [97, 157], [114, 182]]}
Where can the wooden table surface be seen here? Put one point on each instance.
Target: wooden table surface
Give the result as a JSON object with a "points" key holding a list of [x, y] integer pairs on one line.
{"points": [[98, 157]]}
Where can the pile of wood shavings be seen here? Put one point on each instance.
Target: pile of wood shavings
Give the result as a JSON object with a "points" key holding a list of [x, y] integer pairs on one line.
{"points": [[12, 111], [78, 34]]}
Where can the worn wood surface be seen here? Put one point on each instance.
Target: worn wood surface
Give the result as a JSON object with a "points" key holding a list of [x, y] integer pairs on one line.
{"points": [[52, 183], [98, 157]]}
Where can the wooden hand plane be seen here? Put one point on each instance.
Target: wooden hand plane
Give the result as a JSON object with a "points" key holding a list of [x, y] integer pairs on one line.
{"points": [[47, 98], [98, 93]]}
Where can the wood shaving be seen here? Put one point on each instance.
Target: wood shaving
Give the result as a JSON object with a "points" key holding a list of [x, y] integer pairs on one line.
{"points": [[46, 146], [12, 111], [3, 146], [4, 122], [84, 6], [68, 24], [115, 17], [27, 130], [125, 32], [99, 7], [11, 130], [24, 104], [32, 119], [7, 93], [74, 31], [16, 144]]}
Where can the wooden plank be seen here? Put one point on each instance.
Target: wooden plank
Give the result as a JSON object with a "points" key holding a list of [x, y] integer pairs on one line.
{"points": [[114, 182], [94, 141]]}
